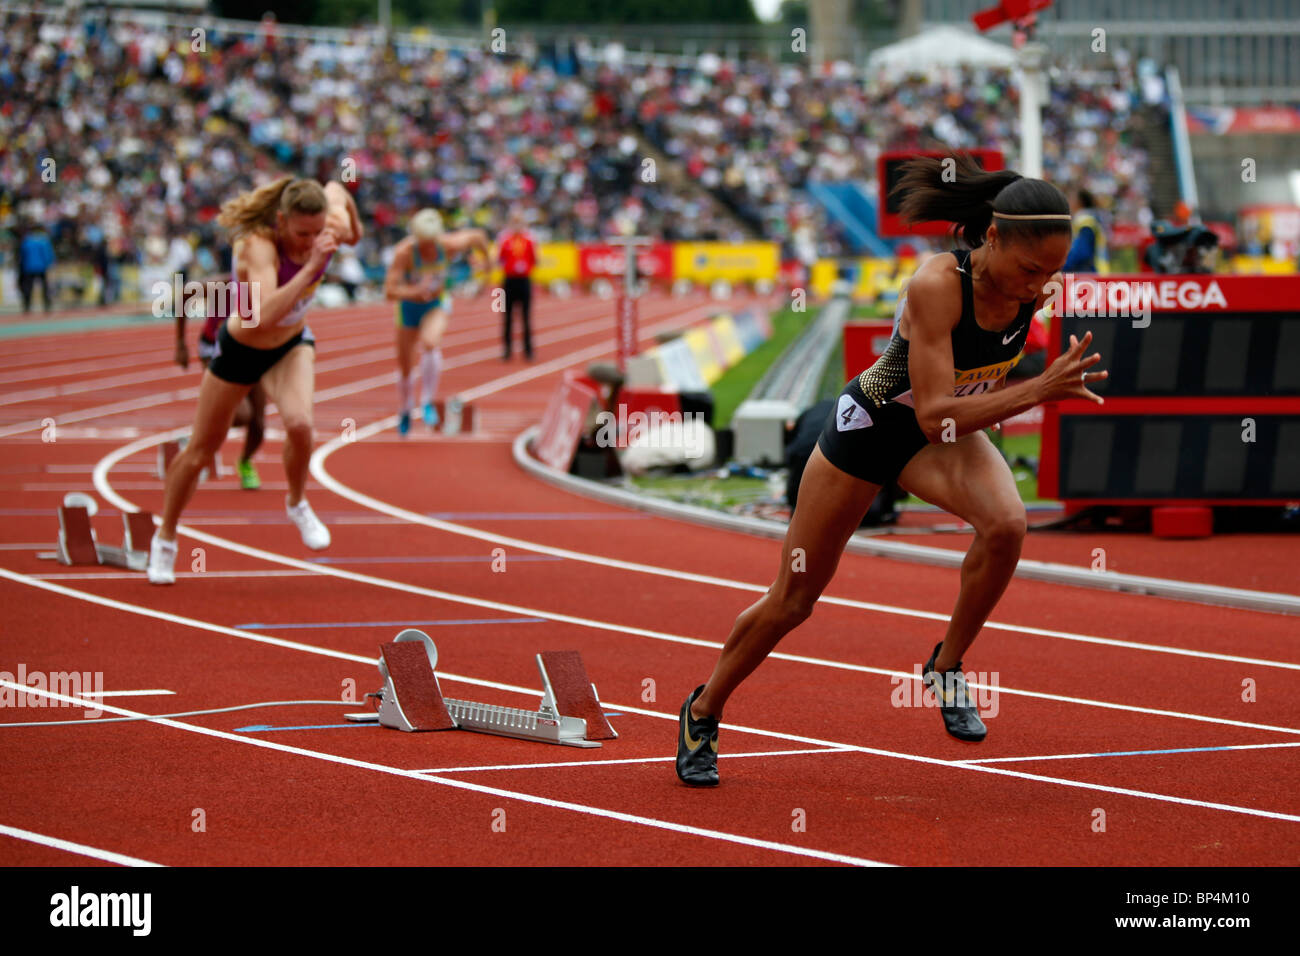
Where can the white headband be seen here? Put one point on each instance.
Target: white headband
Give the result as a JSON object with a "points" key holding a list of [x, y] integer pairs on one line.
{"points": [[1065, 216]]}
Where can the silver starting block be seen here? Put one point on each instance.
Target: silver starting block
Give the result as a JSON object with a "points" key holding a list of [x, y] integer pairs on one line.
{"points": [[569, 714], [78, 546]]}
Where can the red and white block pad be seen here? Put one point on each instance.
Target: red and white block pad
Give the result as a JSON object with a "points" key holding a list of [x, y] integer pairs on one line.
{"points": [[570, 713], [78, 546]]}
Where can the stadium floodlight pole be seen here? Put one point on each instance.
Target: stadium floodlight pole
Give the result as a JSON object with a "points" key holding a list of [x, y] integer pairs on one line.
{"points": [[1033, 81], [386, 17], [625, 328], [1033, 93]]}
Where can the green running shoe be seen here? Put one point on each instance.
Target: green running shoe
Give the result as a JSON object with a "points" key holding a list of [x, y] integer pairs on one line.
{"points": [[248, 479]]}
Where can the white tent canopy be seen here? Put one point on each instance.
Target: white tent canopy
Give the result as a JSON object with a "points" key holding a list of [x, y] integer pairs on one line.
{"points": [[941, 46]]}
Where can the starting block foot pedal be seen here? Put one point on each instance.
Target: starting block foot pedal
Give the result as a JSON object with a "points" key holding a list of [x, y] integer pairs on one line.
{"points": [[76, 536], [568, 691], [569, 714], [410, 698], [77, 544]]}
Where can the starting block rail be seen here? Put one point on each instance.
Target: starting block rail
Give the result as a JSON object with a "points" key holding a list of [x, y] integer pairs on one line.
{"points": [[569, 713]]}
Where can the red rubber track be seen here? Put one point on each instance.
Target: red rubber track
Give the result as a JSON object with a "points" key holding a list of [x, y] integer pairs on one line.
{"points": [[883, 782]]}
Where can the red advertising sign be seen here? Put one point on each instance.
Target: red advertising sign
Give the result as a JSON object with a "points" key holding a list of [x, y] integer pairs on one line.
{"points": [[599, 260], [1229, 121], [557, 439]]}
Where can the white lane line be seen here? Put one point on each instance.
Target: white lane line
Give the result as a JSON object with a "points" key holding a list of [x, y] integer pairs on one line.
{"points": [[164, 398], [1134, 753], [188, 621], [80, 849], [102, 411], [320, 473], [127, 693], [640, 711], [189, 575], [164, 368], [220, 484], [106, 491], [584, 809], [636, 760]]}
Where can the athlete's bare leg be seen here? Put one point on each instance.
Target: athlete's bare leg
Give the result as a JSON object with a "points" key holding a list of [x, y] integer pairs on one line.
{"points": [[290, 383], [830, 507], [218, 400], [970, 479]]}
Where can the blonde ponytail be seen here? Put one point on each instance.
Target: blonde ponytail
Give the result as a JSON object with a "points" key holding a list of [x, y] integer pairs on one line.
{"points": [[255, 211]]}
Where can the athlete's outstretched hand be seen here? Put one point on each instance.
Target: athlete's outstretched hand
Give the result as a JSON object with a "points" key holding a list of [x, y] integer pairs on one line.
{"points": [[322, 249], [1068, 376]]}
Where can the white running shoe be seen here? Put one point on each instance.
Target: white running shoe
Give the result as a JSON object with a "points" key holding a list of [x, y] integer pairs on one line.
{"points": [[314, 534], [162, 561]]}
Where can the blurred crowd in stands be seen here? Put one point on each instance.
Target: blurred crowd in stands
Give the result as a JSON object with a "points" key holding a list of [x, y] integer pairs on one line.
{"points": [[122, 139]]}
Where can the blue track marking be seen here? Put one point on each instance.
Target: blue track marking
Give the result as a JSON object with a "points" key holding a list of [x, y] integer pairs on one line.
{"points": [[477, 620], [264, 728]]}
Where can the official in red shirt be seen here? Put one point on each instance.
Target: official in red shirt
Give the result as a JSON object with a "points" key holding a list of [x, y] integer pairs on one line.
{"points": [[518, 256]]}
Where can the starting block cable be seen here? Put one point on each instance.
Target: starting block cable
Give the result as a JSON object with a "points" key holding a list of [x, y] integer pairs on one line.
{"points": [[86, 721]]}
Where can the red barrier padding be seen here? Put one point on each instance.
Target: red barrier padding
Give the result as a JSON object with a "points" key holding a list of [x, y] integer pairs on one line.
{"points": [[561, 428], [1182, 522], [864, 342]]}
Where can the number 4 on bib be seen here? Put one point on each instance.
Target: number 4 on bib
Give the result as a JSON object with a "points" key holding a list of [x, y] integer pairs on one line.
{"points": [[850, 415]]}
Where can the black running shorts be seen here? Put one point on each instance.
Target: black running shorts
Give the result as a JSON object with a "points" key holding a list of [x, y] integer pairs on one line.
{"points": [[243, 365], [872, 444]]}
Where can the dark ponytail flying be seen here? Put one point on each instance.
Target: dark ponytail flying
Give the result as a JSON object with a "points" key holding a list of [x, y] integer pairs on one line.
{"points": [[956, 189]]}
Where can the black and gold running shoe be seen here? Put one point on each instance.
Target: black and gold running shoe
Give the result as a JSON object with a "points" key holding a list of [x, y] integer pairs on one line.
{"points": [[956, 702], [697, 746]]}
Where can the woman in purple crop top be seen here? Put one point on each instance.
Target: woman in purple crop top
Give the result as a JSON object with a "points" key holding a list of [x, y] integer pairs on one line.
{"points": [[284, 234]]}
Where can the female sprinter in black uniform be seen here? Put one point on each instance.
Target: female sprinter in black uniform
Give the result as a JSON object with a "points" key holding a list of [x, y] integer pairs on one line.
{"points": [[917, 416]]}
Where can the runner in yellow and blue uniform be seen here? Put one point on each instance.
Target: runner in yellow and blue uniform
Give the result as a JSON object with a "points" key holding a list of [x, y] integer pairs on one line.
{"points": [[417, 282]]}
